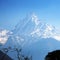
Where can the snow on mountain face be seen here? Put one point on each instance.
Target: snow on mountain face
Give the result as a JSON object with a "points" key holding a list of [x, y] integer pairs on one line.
{"points": [[33, 27], [43, 30]]}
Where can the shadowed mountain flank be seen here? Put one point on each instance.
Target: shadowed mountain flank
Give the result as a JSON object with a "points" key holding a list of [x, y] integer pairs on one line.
{"points": [[55, 55], [4, 56]]}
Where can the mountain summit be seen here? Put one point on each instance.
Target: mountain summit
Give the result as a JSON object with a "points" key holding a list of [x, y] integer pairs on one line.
{"points": [[33, 26]]}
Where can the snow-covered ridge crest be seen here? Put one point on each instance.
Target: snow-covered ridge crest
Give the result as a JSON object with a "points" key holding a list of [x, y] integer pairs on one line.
{"points": [[35, 19]]}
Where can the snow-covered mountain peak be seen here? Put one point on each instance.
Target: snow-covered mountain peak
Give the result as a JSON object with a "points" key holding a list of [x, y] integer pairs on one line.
{"points": [[41, 29], [35, 19], [34, 27]]}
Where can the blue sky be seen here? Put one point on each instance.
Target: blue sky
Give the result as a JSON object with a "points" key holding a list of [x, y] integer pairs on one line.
{"points": [[11, 11]]}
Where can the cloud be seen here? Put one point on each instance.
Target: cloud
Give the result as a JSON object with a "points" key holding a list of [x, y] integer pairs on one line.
{"points": [[57, 37], [4, 36]]}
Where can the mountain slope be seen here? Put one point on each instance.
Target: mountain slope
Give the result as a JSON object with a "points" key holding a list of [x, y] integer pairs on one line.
{"points": [[40, 49], [35, 37]]}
